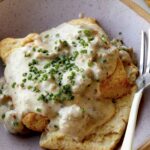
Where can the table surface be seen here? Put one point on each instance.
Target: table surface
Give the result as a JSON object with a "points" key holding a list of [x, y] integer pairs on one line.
{"points": [[18, 18], [143, 5]]}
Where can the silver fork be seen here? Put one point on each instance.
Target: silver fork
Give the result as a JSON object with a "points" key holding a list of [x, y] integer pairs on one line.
{"points": [[142, 82]]}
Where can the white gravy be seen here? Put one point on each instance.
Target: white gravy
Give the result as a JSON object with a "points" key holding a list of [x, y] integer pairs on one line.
{"points": [[51, 75]]}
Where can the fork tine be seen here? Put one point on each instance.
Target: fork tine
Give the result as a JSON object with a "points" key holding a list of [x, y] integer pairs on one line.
{"points": [[148, 53], [142, 53]]}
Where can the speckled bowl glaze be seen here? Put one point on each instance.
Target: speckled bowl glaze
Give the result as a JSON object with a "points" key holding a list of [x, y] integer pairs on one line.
{"points": [[20, 17]]}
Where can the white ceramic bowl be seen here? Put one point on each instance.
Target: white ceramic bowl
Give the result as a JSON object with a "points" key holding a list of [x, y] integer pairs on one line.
{"points": [[20, 17]]}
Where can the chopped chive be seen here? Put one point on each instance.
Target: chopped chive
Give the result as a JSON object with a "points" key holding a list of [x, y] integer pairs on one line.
{"points": [[46, 36], [90, 38], [30, 76], [79, 31], [42, 50], [24, 80], [83, 110], [33, 49], [83, 43], [64, 43], [45, 51], [13, 85], [75, 54], [74, 44], [104, 39], [34, 62], [24, 74], [103, 60], [29, 87], [35, 89], [27, 54], [57, 35], [83, 51], [15, 123], [90, 64], [38, 110], [3, 116], [56, 126], [87, 32], [39, 50], [22, 85]]}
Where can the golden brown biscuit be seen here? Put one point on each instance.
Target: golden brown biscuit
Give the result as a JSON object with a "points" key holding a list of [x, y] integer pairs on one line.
{"points": [[106, 136], [9, 44], [148, 2], [35, 122], [117, 84]]}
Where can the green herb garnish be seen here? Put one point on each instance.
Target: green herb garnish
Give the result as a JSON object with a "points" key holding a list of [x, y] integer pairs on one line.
{"points": [[29, 87], [22, 85], [34, 62], [56, 126], [24, 80], [15, 123], [24, 74], [72, 77], [33, 49], [38, 110], [102, 60], [57, 35], [3, 116], [74, 44], [27, 54], [64, 93], [104, 39], [13, 85], [64, 43], [46, 36], [83, 51], [87, 33], [90, 63], [83, 43]]}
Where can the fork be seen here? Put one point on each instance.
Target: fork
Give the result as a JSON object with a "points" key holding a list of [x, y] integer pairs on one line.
{"points": [[142, 82]]}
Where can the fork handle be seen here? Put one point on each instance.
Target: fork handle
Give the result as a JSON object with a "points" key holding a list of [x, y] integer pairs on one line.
{"points": [[128, 139]]}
